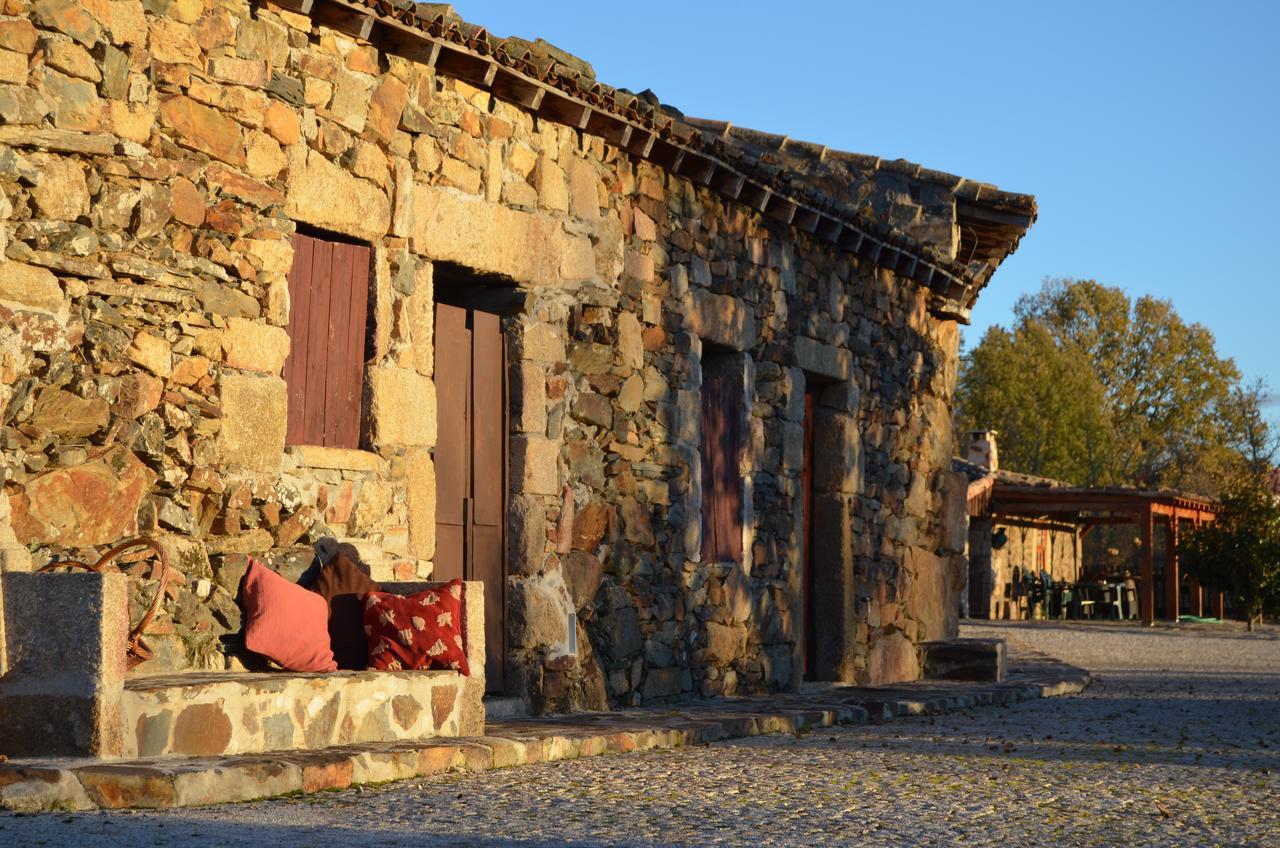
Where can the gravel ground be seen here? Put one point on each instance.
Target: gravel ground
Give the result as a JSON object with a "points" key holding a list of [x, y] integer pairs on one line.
{"points": [[1176, 743]]}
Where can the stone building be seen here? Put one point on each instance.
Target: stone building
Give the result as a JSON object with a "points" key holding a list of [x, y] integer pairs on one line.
{"points": [[678, 392], [1005, 549]]}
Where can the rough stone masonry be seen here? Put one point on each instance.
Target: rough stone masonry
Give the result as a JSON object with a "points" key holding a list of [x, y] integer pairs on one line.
{"points": [[157, 157]]}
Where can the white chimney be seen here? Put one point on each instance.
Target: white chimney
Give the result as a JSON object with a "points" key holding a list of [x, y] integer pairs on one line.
{"points": [[982, 449]]}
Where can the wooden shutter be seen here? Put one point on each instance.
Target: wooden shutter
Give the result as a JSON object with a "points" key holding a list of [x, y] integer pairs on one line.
{"points": [[329, 295], [453, 439], [722, 436]]}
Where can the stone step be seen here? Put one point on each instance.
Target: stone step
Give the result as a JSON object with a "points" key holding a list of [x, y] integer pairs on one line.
{"points": [[84, 784], [964, 659], [497, 708]]}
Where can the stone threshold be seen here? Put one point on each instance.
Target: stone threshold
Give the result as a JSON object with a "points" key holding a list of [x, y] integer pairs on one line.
{"points": [[32, 785]]}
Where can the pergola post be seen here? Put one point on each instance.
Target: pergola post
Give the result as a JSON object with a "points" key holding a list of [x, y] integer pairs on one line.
{"points": [[1147, 587], [1171, 576], [1197, 593]]}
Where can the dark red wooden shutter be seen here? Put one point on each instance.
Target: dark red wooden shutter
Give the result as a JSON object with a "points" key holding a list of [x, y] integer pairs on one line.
{"points": [[722, 435], [328, 293]]}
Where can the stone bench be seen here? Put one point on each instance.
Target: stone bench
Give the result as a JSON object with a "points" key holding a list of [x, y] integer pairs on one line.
{"points": [[64, 690]]}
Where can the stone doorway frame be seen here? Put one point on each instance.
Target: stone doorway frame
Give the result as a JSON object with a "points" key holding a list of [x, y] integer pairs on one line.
{"points": [[825, 374]]}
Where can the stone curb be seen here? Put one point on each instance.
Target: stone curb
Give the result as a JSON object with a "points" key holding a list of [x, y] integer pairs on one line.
{"points": [[52, 785]]}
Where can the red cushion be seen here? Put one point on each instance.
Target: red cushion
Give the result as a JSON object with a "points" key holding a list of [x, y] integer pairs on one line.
{"points": [[285, 622], [416, 631]]}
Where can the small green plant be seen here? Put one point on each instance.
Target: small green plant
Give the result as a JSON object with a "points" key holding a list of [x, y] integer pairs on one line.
{"points": [[201, 648]]}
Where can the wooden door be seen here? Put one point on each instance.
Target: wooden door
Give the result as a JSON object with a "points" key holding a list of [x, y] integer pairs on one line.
{"points": [[806, 562], [470, 369]]}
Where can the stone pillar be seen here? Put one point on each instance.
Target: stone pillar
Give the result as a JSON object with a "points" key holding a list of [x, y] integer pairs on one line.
{"points": [[471, 716], [1146, 585], [982, 568], [13, 554], [60, 695], [1172, 579], [955, 538], [13, 557]]}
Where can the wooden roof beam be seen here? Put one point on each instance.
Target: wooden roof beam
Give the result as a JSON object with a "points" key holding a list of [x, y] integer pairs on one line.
{"points": [[458, 61], [755, 195], [343, 18], [870, 249], [642, 142], [831, 229], [563, 109], [667, 155], [923, 274], [781, 208], [697, 168], [612, 129], [728, 181], [515, 88], [806, 219], [851, 240]]}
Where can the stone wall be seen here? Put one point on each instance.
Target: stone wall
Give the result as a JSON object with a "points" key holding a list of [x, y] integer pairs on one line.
{"points": [[155, 160], [1055, 548]]}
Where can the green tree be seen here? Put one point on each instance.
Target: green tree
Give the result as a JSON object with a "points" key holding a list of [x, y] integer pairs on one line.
{"points": [[1043, 398], [1094, 388], [1248, 432], [1240, 552]]}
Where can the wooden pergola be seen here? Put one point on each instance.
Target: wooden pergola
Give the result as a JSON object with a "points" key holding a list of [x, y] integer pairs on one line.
{"points": [[1090, 507]]}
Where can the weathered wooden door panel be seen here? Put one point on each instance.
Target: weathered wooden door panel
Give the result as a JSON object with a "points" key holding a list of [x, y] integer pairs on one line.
{"points": [[490, 417], [316, 350], [328, 291], [295, 366], [452, 376], [471, 464], [806, 484], [488, 480], [711, 460]]}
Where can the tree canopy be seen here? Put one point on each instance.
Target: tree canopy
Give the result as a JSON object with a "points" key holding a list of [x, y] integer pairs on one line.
{"points": [[1240, 552], [1094, 388]]}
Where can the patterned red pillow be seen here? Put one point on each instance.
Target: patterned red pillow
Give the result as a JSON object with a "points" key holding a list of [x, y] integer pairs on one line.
{"points": [[416, 631]]}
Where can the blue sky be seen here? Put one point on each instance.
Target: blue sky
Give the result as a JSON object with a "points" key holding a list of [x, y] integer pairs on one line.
{"points": [[1149, 132]]}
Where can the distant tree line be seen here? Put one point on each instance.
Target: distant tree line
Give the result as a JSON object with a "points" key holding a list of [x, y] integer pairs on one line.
{"points": [[1095, 389]]}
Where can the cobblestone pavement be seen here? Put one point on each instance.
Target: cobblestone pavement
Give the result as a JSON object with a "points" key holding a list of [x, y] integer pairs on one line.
{"points": [[1177, 743]]}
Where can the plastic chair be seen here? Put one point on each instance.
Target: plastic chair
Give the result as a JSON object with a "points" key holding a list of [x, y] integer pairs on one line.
{"points": [[1018, 595], [1068, 603], [1051, 595], [1130, 593], [1086, 605], [1112, 596]]}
